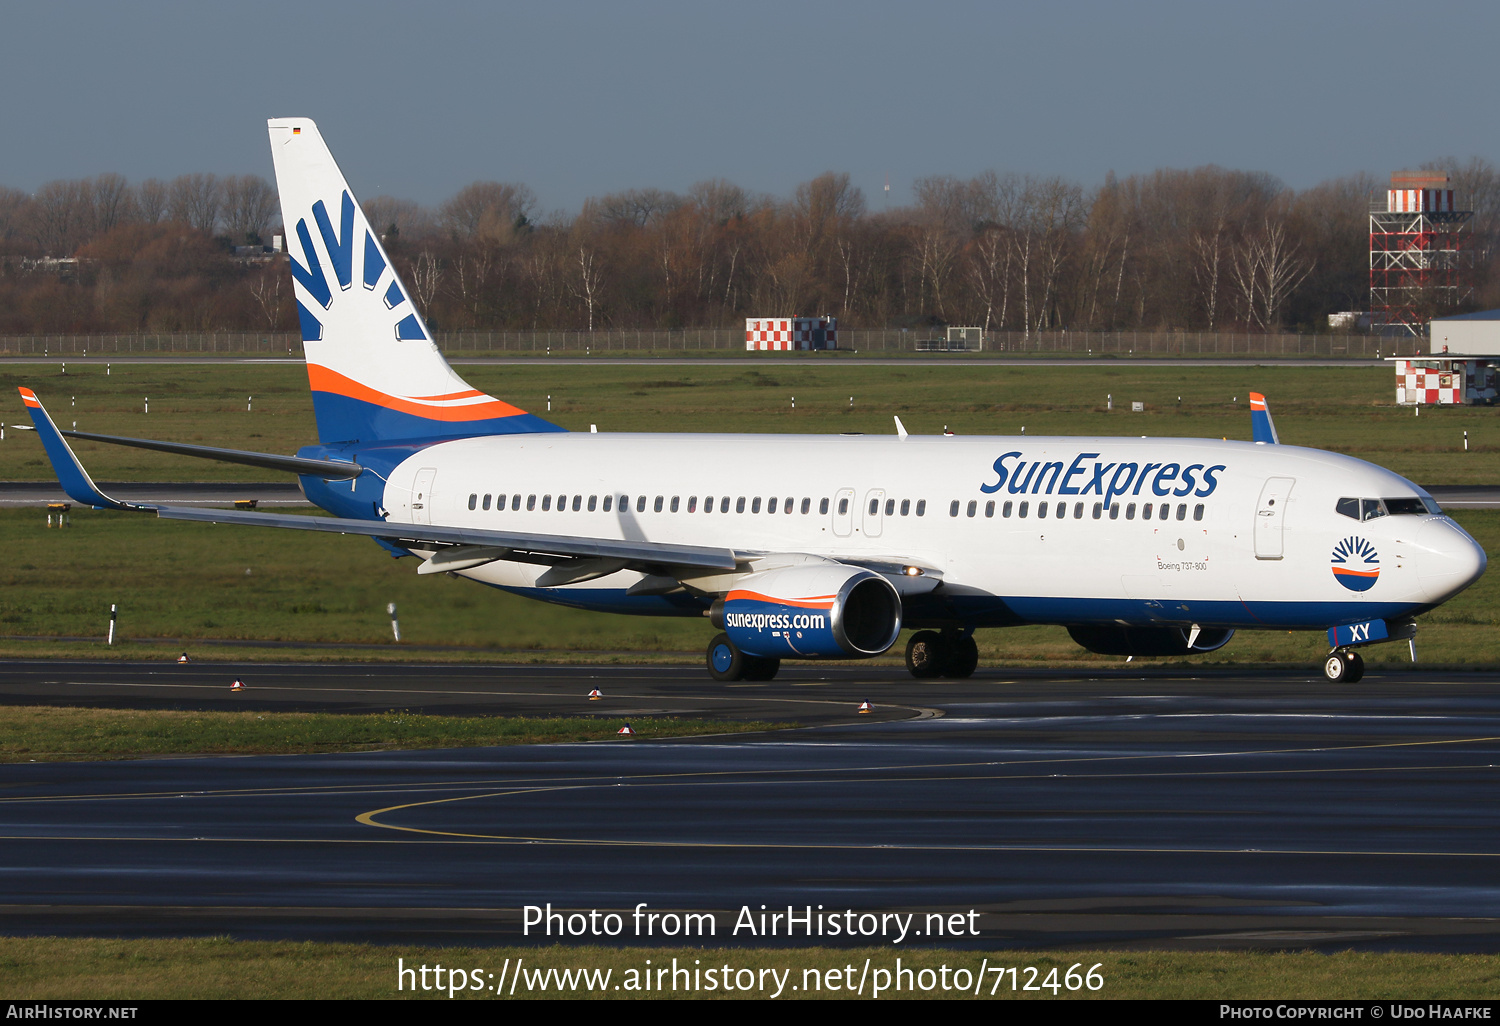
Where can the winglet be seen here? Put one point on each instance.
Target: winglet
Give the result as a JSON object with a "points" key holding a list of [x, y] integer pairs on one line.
{"points": [[900, 429], [1261, 424], [70, 473]]}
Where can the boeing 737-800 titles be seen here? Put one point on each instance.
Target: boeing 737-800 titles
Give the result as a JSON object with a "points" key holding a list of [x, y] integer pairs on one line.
{"points": [[816, 547]]}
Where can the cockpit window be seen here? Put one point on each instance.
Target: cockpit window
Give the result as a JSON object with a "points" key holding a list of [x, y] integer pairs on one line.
{"points": [[1348, 508], [1371, 509], [1405, 507]]}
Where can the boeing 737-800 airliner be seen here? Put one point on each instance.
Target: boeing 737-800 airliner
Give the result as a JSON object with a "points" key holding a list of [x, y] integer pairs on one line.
{"points": [[816, 547]]}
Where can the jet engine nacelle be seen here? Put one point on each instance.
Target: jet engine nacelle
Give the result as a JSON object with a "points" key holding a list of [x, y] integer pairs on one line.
{"points": [[824, 611], [1149, 641]]}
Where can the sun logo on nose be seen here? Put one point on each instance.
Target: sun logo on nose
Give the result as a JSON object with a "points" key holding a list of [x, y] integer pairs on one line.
{"points": [[1356, 564]]}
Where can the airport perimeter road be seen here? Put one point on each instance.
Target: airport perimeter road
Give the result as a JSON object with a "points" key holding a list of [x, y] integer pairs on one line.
{"points": [[1223, 810]]}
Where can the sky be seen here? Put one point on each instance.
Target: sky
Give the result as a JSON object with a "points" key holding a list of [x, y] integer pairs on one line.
{"points": [[579, 99]]}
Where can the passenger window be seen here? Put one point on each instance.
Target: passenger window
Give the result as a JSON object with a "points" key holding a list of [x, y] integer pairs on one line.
{"points": [[546, 503], [515, 501], [485, 503], [989, 508], [806, 506], [874, 506], [973, 507], [906, 507], [822, 507], [562, 503], [609, 500], [675, 500], [786, 507], [1166, 511], [1041, 509], [640, 504], [1022, 511], [593, 502], [1182, 511], [1130, 511], [921, 507], [1062, 510], [1146, 511], [843, 507], [1098, 510], [890, 507], [693, 503], [1371, 509], [656, 507], [624, 503], [708, 504], [755, 504], [953, 508], [771, 504], [1077, 511], [739, 504], [473, 499], [1005, 510], [1198, 511], [577, 502], [1114, 511], [530, 503], [1348, 508], [724, 504]]}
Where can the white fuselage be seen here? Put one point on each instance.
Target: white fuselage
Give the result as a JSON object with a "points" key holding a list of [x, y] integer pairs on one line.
{"points": [[1250, 537]]}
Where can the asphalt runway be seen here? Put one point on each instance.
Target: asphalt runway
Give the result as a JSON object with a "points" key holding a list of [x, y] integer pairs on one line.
{"points": [[1142, 809]]}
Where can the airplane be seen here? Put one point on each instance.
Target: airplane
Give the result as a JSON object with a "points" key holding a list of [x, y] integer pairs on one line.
{"points": [[822, 546]]}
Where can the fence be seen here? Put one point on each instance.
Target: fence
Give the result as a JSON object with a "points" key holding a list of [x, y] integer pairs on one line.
{"points": [[732, 340]]}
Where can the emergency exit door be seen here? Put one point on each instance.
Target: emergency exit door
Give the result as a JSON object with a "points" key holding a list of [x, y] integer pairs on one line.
{"points": [[1270, 517]]}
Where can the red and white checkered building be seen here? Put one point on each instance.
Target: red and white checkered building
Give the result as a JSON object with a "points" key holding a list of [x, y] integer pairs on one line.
{"points": [[784, 333], [1428, 382]]}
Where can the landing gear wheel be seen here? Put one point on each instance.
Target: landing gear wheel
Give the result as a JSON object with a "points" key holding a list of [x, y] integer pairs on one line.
{"points": [[725, 661], [963, 658], [761, 667], [925, 655], [1336, 668], [1356, 667]]}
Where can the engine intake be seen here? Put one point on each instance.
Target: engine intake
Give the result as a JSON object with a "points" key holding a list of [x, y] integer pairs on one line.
{"points": [[811, 612], [1109, 639]]}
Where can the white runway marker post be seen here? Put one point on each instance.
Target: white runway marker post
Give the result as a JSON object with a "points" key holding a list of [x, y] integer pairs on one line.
{"points": [[390, 607], [112, 614]]}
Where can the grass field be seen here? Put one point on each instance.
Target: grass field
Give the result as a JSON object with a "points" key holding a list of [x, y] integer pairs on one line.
{"points": [[62, 968], [49, 734], [195, 581]]}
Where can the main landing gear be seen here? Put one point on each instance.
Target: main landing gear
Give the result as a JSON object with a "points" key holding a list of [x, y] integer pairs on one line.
{"points": [[1343, 666], [727, 662], [949, 654]]}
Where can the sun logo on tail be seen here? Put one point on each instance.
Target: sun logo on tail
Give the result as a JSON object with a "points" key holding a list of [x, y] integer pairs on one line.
{"points": [[1356, 564]]}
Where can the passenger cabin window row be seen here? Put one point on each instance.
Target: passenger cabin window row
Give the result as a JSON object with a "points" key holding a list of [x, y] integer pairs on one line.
{"points": [[1059, 510], [1373, 509], [675, 504]]}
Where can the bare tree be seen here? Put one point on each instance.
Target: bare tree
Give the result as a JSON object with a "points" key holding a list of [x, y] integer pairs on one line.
{"points": [[151, 200], [195, 200], [588, 282], [114, 201], [636, 208], [491, 211], [268, 288], [62, 216], [1267, 266], [249, 208], [395, 219], [426, 276]]}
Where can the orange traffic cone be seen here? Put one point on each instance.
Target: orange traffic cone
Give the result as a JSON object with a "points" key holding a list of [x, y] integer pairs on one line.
{"points": [[595, 695], [626, 731], [866, 707], [182, 658], [238, 685]]}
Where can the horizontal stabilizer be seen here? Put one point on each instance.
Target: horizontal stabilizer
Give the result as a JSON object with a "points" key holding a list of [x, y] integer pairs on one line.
{"points": [[329, 470]]}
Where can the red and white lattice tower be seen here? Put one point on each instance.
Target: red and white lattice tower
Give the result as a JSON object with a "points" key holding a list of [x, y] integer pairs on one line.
{"points": [[1420, 261]]}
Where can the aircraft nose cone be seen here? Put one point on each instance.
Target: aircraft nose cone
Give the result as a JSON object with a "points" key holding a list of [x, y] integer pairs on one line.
{"points": [[1448, 559]]}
